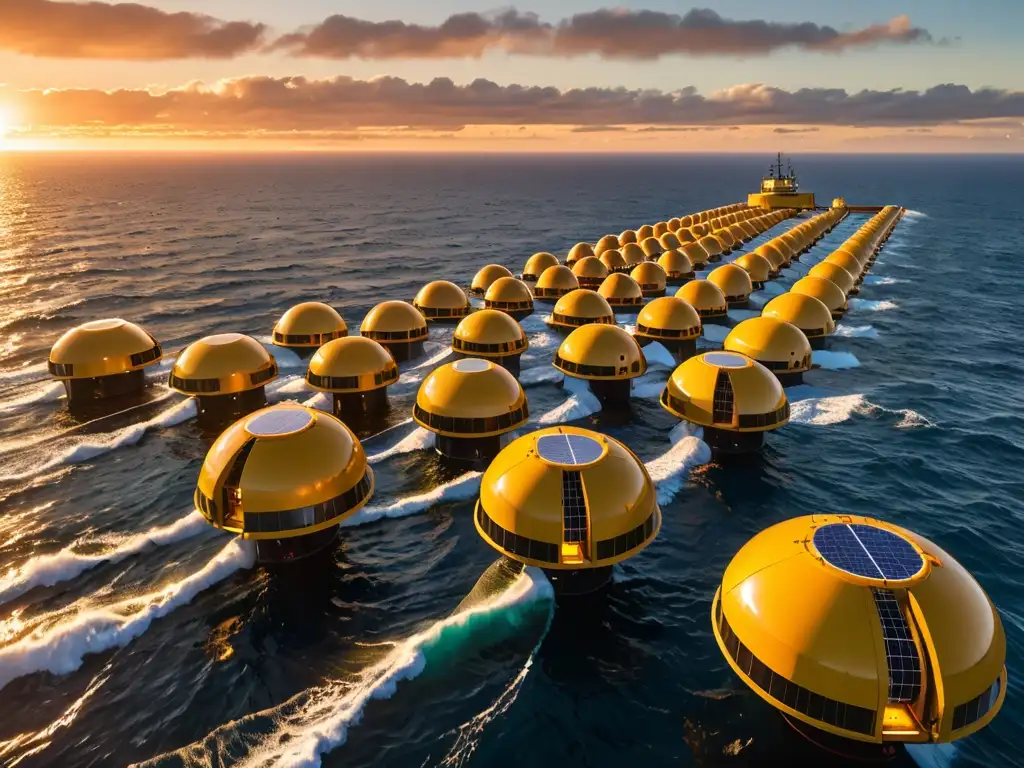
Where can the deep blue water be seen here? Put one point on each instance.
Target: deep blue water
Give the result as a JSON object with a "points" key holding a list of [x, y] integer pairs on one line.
{"points": [[268, 668]]}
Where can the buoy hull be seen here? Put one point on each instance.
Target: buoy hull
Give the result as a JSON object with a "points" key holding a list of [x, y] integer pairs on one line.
{"points": [[295, 547], [216, 411], [580, 582], [363, 412], [789, 378], [818, 342], [681, 349], [402, 352], [611, 392], [838, 747], [469, 452], [725, 441], [82, 391]]}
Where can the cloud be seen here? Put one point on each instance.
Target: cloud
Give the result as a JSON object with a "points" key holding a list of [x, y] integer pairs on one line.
{"points": [[612, 33], [120, 31], [343, 103]]}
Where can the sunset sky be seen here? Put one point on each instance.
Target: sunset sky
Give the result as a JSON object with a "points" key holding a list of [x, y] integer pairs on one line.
{"points": [[641, 75]]}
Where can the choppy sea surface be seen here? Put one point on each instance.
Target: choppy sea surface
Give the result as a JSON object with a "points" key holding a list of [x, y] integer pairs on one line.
{"points": [[130, 631]]}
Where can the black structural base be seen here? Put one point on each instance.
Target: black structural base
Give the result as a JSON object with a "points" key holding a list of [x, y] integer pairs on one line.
{"points": [[510, 362], [363, 412], [218, 411], [652, 294], [473, 452], [837, 746], [717, 319], [818, 342], [518, 314], [681, 349], [581, 582], [789, 378], [296, 547], [105, 387], [680, 279], [727, 441], [758, 285], [611, 392], [738, 303], [303, 353], [405, 350]]}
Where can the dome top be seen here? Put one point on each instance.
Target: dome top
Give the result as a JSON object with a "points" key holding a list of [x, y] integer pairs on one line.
{"points": [[536, 264], [309, 324], [825, 291], [351, 364], [441, 298], [102, 348], [292, 471], [470, 398], [835, 273], [756, 265], [530, 510], [758, 400], [627, 236], [870, 594], [489, 333], [600, 352], [777, 345], [557, 278], [613, 260], [652, 247], [704, 296], [590, 267], [733, 281], [668, 317], [579, 251], [673, 224], [633, 253], [394, 322], [669, 241], [649, 275], [711, 245], [606, 243], [482, 280], [685, 235], [226, 363], [805, 312], [660, 228], [619, 287], [507, 290], [696, 253], [847, 261], [580, 307], [773, 251], [676, 264]]}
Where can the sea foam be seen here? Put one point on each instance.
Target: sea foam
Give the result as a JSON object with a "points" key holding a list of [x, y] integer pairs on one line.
{"points": [[873, 306], [580, 404], [463, 487], [670, 470], [417, 440], [834, 361]]}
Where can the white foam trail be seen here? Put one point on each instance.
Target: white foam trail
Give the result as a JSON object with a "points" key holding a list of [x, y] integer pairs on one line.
{"points": [[685, 429], [44, 392], [857, 331], [288, 385], [715, 333], [880, 280], [629, 328], [94, 446], [872, 306], [621, 319], [932, 755], [286, 359], [659, 357], [47, 570], [540, 374], [463, 487], [61, 648], [580, 403], [648, 386], [909, 214], [670, 470], [535, 322], [823, 411], [321, 401], [26, 373], [834, 361], [543, 340], [442, 351], [417, 440], [322, 722], [909, 418]]}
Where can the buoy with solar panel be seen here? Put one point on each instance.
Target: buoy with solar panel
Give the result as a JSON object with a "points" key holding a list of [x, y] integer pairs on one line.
{"points": [[570, 501], [862, 634]]}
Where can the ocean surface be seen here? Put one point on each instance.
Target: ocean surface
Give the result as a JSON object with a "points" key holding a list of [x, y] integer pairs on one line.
{"points": [[130, 631]]}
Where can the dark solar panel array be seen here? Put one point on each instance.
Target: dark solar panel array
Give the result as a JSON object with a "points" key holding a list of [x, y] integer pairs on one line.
{"points": [[865, 550], [574, 508], [278, 422], [900, 651], [572, 450]]}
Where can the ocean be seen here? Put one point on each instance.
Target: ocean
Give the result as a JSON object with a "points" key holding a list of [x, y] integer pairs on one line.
{"points": [[132, 632]]}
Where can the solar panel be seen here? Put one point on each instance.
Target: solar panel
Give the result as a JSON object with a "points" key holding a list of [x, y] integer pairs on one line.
{"points": [[867, 551], [278, 421], [569, 449], [725, 359], [471, 365], [574, 508], [900, 651]]}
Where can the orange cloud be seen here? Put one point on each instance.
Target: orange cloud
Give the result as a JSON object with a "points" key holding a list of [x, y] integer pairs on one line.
{"points": [[120, 31]]}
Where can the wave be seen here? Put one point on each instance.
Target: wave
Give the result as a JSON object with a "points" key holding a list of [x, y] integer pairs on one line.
{"points": [[909, 418], [533, 323], [659, 357], [824, 411], [856, 331], [834, 361], [61, 648], [90, 448], [873, 306], [932, 755], [539, 375], [318, 720], [42, 392], [47, 570], [321, 401], [543, 340], [287, 385], [648, 386], [463, 487], [417, 440], [671, 470], [580, 404], [882, 280], [23, 374], [286, 358], [909, 214]]}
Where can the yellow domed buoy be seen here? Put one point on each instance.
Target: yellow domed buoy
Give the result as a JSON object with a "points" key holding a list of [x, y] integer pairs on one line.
{"points": [[570, 501], [725, 239], [829, 271], [644, 232], [621, 292], [712, 246], [847, 262], [660, 228], [492, 335], [308, 326], [606, 243], [590, 272], [685, 235], [825, 291], [779, 346], [103, 359], [482, 280], [805, 312], [652, 247], [606, 356], [673, 224], [695, 252], [773, 251], [581, 307], [510, 296], [633, 254], [442, 301], [555, 282], [735, 399], [226, 373], [669, 241], [861, 629], [536, 264], [734, 282], [577, 252], [672, 322], [627, 236], [284, 476], [358, 371], [470, 405], [757, 267], [705, 297], [397, 325], [651, 278], [613, 261], [677, 266]]}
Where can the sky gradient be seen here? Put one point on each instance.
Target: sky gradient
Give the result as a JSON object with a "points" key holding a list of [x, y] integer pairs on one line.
{"points": [[643, 75]]}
